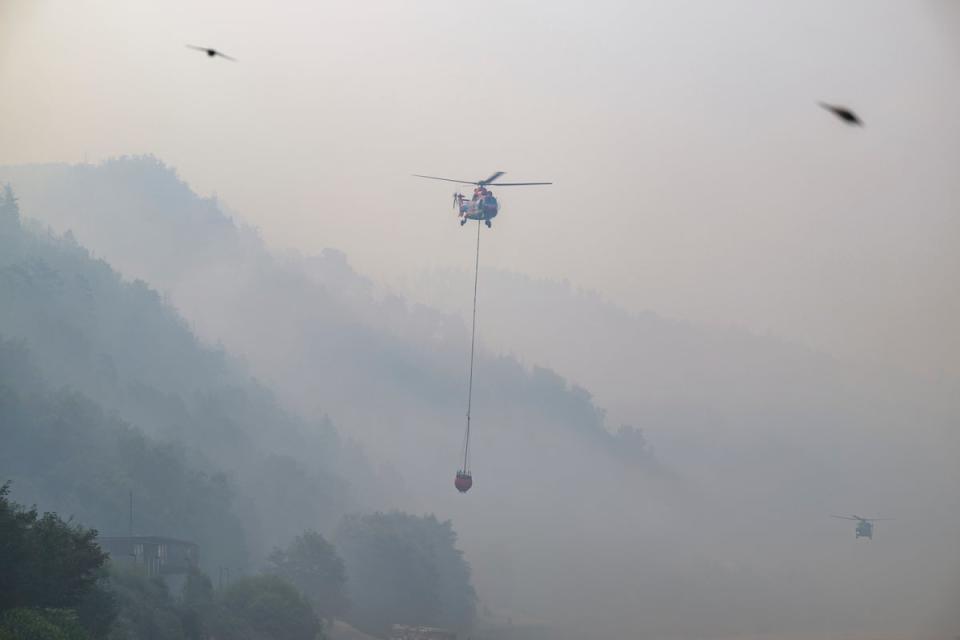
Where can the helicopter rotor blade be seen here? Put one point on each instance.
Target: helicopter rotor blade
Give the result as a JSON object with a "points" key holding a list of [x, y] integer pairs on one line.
{"points": [[491, 178], [515, 184], [417, 175], [488, 182], [846, 517]]}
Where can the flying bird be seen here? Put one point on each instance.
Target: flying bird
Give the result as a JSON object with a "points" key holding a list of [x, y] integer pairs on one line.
{"points": [[211, 52], [843, 113]]}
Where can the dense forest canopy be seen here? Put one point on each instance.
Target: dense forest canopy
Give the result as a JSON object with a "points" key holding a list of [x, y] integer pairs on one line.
{"points": [[64, 452], [407, 570], [314, 566], [85, 352]]}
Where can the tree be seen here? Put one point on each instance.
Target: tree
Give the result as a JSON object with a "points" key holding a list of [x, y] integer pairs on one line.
{"points": [[198, 605], [147, 610], [98, 609], [41, 624], [312, 564], [44, 561], [631, 444], [404, 569], [9, 209], [50, 577], [272, 607], [198, 591]]}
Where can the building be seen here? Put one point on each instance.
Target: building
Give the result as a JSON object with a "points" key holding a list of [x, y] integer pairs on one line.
{"points": [[157, 555]]}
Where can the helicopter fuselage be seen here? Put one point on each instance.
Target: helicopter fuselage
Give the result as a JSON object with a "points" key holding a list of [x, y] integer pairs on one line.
{"points": [[482, 205], [864, 525], [482, 208]]}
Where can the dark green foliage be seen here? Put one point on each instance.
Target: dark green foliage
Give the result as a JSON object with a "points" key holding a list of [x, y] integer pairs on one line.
{"points": [[404, 569], [272, 607], [44, 561], [197, 604], [147, 610], [198, 591], [41, 624], [314, 567], [48, 569], [64, 558], [259, 608], [98, 609]]}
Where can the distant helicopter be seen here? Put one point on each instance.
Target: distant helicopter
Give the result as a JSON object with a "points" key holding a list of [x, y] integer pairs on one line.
{"points": [[864, 525], [482, 205]]}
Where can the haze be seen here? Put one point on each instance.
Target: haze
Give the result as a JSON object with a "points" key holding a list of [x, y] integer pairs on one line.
{"points": [[694, 175], [766, 298]]}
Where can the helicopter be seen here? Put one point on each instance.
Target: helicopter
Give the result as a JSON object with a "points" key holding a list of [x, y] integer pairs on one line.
{"points": [[864, 525], [482, 205]]}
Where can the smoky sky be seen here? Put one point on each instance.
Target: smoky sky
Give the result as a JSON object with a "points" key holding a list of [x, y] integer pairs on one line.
{"points": [[696, 181], [694, 173]]}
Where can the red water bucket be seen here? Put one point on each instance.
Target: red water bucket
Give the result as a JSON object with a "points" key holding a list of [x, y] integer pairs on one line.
{"points": [[463, 482]]}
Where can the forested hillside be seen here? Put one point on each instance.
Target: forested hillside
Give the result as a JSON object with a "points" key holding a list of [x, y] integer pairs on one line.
{"points": [[62, 451], [92, 354]]}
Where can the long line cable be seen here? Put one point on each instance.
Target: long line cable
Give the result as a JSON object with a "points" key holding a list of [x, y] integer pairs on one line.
{"points": [[473, 341]]}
